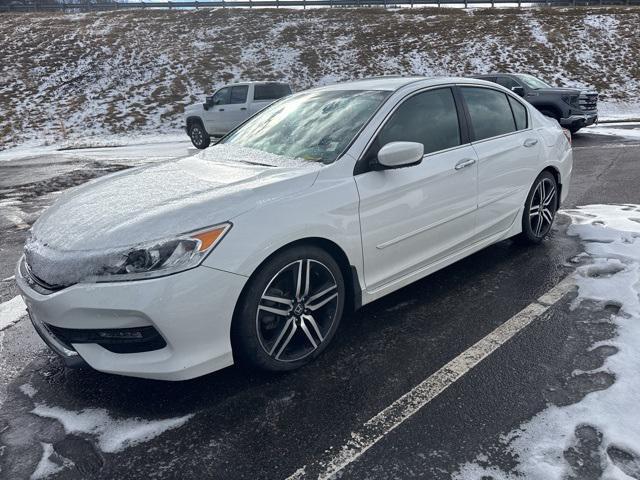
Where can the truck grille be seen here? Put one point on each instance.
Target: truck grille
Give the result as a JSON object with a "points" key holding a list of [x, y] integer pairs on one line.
{"points": [[588, 101]]}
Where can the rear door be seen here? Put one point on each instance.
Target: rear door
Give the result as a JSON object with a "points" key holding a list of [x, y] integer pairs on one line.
{"points": [[507, 150], [411, 217]]}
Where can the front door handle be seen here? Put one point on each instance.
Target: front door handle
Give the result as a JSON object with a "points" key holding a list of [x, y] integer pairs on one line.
{"points": [[467, 162], [243, 108], [221, 109], [530, 142]]}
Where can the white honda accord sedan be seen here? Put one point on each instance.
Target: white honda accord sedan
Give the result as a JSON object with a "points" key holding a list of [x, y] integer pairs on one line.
{"points": [[252, 250]]}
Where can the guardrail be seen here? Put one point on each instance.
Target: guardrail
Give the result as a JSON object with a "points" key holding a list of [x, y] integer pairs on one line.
{"points": [[75, 7]]}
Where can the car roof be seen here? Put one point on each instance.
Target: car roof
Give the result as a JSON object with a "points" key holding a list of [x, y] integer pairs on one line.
{"points": [[501, 74], [392, 83]]}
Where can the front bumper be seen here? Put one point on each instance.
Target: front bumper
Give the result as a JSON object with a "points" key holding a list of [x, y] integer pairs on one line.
{"points": [[579, 121], [191, 310]]}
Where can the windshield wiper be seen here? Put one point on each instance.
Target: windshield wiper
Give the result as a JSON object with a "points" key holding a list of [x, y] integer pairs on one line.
{"points": [[256, 163]]}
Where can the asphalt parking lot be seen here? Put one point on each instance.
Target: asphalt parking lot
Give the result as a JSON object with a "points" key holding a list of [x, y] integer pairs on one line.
{"points": [[313, 423]]}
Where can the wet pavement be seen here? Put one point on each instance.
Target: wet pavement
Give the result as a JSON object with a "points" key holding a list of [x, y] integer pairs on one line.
{"points": [[265, 426]]}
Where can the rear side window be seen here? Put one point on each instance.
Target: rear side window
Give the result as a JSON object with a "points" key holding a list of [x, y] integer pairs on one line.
{"points": [[271, 91], [239, 94], [489, 111], [519, 113], [429, 118]]}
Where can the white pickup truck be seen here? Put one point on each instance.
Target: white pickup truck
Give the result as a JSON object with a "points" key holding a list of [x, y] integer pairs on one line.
{"points": [[228, 107]]}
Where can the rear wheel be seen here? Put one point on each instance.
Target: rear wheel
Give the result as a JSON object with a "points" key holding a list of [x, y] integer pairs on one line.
{"points": [[199, 136], [290, 310], [540, 208]]}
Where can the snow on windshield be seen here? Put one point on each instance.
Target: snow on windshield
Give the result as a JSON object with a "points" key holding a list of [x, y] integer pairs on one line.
{"points": [[237, 153]]}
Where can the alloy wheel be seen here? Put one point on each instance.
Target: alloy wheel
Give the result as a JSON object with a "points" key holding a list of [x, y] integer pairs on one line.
{"points": [[297, 310], [196, 135], [542, 208]]}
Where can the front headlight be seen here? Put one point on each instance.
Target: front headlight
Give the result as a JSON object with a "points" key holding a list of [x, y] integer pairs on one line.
{"points": [[159, 258]]}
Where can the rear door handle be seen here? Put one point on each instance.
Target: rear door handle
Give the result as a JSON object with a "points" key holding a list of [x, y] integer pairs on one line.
{"points": [[221, 109], [467, 162], [530, 142], [243, 108]]}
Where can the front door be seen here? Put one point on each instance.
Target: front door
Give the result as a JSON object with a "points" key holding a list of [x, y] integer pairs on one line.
{"points": [[214, 117], [414, 216]]}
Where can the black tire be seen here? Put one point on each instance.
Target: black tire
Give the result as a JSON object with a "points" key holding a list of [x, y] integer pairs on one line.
{"points": [[199, 136], [258, 336], [574, 130], [534, 225]]}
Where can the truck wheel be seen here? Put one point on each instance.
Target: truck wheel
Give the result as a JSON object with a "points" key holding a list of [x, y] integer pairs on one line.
{"points": [[574, 130], [199, 136]]}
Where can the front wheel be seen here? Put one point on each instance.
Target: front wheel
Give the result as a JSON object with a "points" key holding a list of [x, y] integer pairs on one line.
{"points": [[199, 136], [540, 208], [290, 310]]}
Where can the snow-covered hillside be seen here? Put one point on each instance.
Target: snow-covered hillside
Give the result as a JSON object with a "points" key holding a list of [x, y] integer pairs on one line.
{"points": [[68, 76]]}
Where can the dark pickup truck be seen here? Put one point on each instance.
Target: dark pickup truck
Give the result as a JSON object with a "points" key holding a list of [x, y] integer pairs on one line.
{"points": [[572, 108]]}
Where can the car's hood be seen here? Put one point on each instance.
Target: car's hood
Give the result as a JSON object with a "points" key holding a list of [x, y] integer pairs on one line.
{"points": [[565, 91], [169, 198], [194, 109]]}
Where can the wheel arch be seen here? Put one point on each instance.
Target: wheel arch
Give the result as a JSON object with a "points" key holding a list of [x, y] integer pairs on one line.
{"points": [[551, 108], [194, 119], [353, 300], [557, 175]]}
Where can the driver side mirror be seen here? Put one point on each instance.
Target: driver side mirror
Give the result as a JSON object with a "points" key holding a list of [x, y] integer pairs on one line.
{"points": [[400, 154], [518, 90], [208, 103]]}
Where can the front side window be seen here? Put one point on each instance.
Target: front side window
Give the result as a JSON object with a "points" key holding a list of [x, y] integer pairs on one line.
{"points": [[316, 126], [489, 111], [429, 118], [507, 82], [519, 113], [271, 91], [239, 94], [222, 96]]}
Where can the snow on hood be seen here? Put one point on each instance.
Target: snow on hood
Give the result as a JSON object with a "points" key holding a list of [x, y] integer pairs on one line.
{"points": [[159, 201]]}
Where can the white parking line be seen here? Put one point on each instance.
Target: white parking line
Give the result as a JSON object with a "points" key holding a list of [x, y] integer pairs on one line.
{"points": [[375, 429]]}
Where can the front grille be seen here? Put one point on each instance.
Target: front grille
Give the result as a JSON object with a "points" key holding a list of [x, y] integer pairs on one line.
{"points": [[116, 340], [588, 101]]}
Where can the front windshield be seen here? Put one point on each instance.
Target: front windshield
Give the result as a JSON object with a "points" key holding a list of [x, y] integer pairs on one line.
{"points": [[315, 126], [533, 82]]}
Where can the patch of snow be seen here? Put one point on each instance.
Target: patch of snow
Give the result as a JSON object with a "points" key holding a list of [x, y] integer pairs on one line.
{"points": [[613, 131], [11, 311], [28, 390], [46, 467], [611, 235], [113, 435], [618, 111], [537, 32]]}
